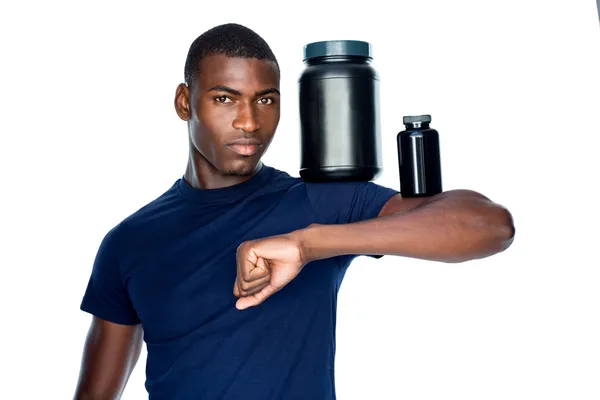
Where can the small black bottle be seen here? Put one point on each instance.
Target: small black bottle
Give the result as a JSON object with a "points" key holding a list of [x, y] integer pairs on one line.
{"points": [[419, 160]]}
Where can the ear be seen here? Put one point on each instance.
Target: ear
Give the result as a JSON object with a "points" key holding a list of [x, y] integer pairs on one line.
{"points": [[182, 102]]}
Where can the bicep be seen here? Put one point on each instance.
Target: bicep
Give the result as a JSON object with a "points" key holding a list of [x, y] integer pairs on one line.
{"points": [[397, 204], [110, 354]]}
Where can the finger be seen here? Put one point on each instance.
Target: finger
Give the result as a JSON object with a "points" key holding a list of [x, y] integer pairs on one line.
{"points": [[242, 288], [255, 299], [246, 261], [250, 288], [236, 288], [254, 291], [254, 271]]}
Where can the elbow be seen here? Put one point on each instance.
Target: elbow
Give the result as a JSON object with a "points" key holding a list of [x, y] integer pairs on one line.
{"points": [[501, 229], [495, 220], [86, 396], [87, 391], [95, 396], [505, 228], [496, 234]]}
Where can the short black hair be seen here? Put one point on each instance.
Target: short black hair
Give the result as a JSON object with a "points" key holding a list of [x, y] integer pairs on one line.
{"points": [[230, 40]]}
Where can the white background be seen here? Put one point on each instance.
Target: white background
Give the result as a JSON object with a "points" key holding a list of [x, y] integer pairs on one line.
{"points": [[89, 135]]}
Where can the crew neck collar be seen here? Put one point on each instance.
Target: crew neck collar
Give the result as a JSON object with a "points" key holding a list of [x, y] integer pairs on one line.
{"points": [[225, 194]]}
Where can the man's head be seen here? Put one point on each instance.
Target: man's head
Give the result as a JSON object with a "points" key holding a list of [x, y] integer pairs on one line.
{"points": [[230, 99]]}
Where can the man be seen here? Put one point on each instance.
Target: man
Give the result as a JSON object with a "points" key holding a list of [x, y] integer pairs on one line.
{"points": [[232, 274]]}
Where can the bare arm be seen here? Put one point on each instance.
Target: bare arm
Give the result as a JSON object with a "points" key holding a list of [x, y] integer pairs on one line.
{"points": [[454, 226], [110, 354]]}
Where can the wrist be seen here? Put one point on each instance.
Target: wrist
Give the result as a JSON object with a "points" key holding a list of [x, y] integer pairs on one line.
{"points": [[307, 240], [317, 242], [376, 236]]}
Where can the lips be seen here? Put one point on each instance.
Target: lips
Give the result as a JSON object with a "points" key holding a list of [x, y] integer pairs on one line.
{"points": [[245, 146], [244, 149]]}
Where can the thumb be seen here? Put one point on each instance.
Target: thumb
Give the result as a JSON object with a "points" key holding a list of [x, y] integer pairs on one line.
{"points": [[255, 299]]}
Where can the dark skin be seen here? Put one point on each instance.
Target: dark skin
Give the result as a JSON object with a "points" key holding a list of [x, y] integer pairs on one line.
{"points": [[232, 100], [109, 356], [232, 112], [452, 227]]}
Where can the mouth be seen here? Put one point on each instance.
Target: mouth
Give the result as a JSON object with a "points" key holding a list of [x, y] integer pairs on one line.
{"points": [[245, 147]]}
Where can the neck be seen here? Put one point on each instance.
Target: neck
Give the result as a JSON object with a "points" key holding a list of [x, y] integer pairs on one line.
{"points": [[201, 174]]}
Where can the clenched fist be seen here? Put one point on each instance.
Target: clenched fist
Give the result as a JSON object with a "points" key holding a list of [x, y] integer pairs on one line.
{"points": [[265, 266]]}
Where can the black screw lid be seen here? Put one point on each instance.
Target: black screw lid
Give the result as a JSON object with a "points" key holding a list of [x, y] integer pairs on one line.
{"points": [[411, 119], [326, 48]]}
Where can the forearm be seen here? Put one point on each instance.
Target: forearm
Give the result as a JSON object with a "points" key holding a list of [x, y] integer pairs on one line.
{"points": [[452, 227]]}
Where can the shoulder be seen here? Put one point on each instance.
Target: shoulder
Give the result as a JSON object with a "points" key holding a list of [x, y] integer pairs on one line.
{"points": [[279, 182], [149, 211], [348, 201], [143, 219], [279, 178], [282, 178], [348, 190], [338, 186]]}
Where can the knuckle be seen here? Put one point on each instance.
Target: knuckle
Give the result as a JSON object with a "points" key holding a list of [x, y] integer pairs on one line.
{"points": [[246, 272], [253, 291], [244, 247]]}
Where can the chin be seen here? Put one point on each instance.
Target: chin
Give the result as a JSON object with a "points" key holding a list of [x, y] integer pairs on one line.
{"points": [[240, 168]]}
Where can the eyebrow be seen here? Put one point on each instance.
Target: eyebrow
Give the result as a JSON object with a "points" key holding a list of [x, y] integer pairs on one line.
{"points": [[227, 89]]}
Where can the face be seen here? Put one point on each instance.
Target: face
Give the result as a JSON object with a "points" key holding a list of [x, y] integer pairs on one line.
{"points": [[232, 112]]}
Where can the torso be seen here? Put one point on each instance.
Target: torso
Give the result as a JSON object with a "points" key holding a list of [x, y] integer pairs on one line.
{"points": [[179, 268]]}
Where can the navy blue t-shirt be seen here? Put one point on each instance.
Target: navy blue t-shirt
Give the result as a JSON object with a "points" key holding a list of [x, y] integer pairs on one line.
{"points": [[171, 266]]}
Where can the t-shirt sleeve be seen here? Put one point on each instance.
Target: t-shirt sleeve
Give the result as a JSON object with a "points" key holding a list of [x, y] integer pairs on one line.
{"points": [[347, 202], [106, 295]]}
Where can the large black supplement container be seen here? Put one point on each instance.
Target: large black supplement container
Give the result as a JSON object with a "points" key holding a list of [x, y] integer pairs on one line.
{"points": [[339, 113]]}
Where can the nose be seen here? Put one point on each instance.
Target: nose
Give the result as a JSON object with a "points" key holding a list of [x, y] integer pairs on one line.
{"points": [[246, 118]]}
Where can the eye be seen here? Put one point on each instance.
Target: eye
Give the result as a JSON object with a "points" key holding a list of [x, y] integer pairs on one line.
{"points": [[265, 101], [222, 99]]}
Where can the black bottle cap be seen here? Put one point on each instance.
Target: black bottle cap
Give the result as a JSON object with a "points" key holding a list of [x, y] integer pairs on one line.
{"points": [[328, 48], [411, 119]]}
